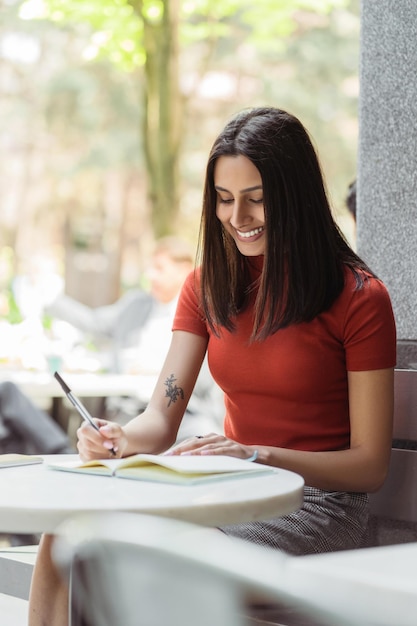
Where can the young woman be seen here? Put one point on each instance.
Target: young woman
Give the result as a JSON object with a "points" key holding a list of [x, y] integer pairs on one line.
{"points": [[300, 336]]}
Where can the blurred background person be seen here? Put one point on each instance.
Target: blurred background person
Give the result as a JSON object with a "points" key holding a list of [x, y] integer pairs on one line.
{"points": [[115, 328], [133, 335]]}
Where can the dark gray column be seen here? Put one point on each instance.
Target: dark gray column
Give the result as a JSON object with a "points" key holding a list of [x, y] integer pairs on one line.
{"points": [[387, 160]]}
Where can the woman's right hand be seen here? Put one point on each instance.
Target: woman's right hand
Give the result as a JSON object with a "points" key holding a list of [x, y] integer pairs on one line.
{"points": [[99, 445]]}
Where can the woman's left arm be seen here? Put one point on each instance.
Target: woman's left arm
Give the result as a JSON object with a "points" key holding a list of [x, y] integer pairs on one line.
{"points": [[361, 467], [364, 465]]}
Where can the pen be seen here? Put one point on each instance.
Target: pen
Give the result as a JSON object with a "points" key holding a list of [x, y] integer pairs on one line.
{"points": [[79, 406]]}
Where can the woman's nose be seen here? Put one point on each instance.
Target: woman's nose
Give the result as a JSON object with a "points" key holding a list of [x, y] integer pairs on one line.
{"points": [[239, 214]]}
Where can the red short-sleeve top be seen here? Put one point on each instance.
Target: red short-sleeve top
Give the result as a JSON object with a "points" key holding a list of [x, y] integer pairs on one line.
{"points": [[291, 390]]}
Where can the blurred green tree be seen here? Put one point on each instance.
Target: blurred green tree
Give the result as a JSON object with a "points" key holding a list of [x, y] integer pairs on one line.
{"points": [[150, 35]]}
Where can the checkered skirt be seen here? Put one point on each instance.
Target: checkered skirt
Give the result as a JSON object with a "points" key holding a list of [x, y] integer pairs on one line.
{"points": [[328, 521]]}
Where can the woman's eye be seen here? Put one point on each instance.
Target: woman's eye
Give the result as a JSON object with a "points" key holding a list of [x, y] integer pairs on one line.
{"points": [[225, 200], [257, 200]]}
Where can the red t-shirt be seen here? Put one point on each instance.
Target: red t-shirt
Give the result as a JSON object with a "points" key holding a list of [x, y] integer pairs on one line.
{"points": [[291, 389]]}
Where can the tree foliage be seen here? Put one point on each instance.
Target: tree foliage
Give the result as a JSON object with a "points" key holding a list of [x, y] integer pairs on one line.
{"points": [[117, 26], [148, 34], [86, 110]]}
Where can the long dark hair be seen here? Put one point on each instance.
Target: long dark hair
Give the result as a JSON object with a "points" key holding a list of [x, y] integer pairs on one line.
{"points": [[305, 251]]}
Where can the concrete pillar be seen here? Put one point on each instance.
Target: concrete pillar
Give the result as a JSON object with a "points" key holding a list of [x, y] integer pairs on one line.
{"points": [[387, 158]]}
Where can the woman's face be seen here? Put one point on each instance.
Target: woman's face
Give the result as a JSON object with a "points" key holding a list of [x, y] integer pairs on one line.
{"points": [[239, 205]]}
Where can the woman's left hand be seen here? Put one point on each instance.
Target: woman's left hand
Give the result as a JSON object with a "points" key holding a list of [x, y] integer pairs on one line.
{"points": [[211, 444]]}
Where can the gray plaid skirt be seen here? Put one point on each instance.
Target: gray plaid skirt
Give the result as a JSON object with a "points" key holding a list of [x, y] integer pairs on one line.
{"points": [[328, 521]]}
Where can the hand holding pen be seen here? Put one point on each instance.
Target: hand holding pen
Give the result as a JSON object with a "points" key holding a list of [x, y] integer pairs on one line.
{"points": [[79, 406]]}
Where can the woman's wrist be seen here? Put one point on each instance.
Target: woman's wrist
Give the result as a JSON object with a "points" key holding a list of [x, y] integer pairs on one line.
{"points": [[262, 455]]}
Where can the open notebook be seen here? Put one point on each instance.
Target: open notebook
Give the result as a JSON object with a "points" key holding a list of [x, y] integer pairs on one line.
{"points": [[188, 470], [11, 459]]}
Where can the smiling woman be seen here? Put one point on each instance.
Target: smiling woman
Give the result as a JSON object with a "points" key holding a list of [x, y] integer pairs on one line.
{"points": [[300, 336]]}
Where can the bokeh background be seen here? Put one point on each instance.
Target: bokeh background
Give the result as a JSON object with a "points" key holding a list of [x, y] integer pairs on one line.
{"points": [[108, 110]]}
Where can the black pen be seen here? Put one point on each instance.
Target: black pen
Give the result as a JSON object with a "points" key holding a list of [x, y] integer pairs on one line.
{"points": [[79, 406]]}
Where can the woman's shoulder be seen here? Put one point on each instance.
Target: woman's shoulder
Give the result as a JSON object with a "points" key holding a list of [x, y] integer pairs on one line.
{"points": [[365, 319], [363, 283], [191, 290], [364, 296], [193, 280], [188, 315]]}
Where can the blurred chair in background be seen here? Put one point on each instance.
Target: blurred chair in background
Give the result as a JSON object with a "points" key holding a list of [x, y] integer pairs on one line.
{"points": [[25, 428], [393, 508]]}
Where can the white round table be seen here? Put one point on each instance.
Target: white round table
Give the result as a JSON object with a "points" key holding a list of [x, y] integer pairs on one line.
{"points": [[35, 498]]}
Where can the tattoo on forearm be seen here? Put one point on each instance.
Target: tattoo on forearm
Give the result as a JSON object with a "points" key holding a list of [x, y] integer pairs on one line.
{"points": [[172, 391]]}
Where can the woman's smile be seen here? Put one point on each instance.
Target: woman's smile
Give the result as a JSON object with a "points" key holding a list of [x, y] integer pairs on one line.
{"points": [[251, 234]]}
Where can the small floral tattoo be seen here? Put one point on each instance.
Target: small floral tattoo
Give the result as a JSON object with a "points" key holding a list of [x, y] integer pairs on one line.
{"points": [[172, 391]]}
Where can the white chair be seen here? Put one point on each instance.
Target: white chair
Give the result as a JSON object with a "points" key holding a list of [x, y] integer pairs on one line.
{"points": [[138, 570], [373, 586]]}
